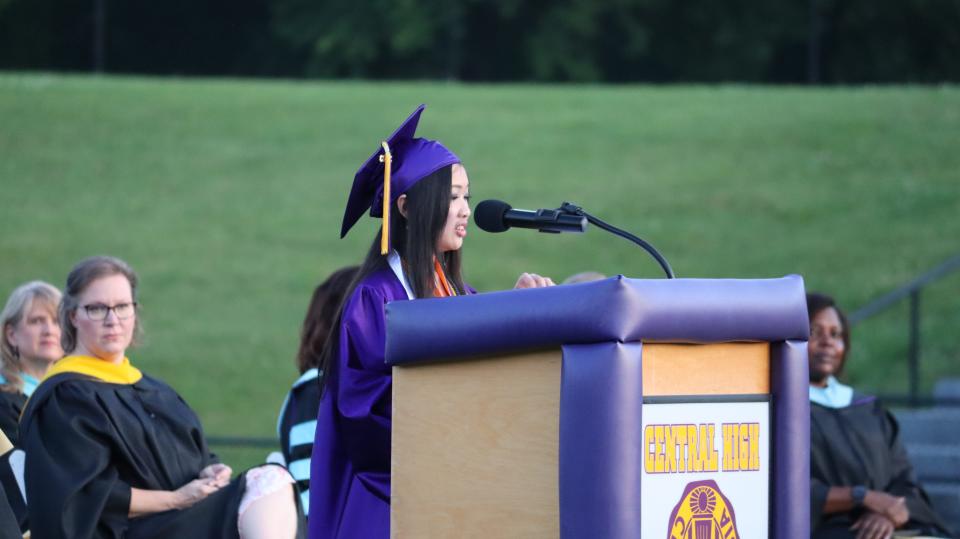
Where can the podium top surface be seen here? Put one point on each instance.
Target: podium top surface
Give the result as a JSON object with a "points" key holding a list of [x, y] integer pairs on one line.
{"points": [[614, 309]]}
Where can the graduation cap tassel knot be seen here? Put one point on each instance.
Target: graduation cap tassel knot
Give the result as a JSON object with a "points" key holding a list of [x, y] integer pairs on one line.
{"points": [[386, 159]]}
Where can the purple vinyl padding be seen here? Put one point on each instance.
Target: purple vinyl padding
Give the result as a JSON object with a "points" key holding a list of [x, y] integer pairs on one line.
{"points": [[601, 442], [789, 385], [614, 309]]}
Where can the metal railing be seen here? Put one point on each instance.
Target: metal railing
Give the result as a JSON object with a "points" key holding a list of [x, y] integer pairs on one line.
{"points": [[909, 290], [243, 441], [912, 291]]}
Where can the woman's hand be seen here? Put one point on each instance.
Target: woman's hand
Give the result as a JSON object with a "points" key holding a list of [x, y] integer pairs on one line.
{"points": [[147, 502], [873, 526], [892, 507], [195, 491], [532, 280], [220, 472]]}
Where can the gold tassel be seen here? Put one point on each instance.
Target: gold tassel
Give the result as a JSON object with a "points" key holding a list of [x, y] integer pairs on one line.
{"points": [[386, 159]]}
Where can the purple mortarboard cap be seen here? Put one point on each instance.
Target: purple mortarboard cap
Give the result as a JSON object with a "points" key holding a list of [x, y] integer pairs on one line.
{"points": [[412, 160]]}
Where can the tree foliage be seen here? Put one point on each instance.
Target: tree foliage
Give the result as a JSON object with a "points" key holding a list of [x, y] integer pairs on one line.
{"points": [[832, 41]]}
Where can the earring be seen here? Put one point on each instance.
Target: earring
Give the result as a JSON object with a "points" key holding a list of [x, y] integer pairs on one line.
{"points": [[16, 351]]}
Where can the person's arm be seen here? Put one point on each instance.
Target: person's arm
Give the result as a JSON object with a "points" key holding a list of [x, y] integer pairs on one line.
{"points": [[364, 389], [146, 502], [872, 525], [74, 489], [840, 500], [903, 482]]}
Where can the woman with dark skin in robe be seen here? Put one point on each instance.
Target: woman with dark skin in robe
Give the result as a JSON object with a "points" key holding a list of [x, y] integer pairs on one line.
{"points": [[862, 484]]}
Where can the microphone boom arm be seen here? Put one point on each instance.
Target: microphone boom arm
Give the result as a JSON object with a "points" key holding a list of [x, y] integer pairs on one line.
{"points": [[573, 209]]}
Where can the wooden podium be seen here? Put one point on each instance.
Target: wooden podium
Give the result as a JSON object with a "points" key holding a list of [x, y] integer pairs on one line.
{"points": [[618, 408]]}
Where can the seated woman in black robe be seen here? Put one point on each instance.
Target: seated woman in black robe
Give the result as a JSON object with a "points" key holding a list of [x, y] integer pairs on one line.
{"points": [[861, 481], [112, 452], [29, 344]]}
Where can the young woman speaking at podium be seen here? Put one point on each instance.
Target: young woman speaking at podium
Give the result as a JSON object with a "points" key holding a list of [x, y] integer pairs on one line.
{"points": [[421, 191]]}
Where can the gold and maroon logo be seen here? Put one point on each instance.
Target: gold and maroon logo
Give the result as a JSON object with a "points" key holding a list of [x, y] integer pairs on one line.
{"points": [[703, 513]]}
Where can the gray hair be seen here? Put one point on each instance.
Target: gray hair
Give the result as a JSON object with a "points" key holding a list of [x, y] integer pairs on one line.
{"points": [[85, 272], [19, 303]]}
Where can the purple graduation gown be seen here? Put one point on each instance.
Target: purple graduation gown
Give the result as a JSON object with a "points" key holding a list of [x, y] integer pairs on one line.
{"points": [[350, 468]]}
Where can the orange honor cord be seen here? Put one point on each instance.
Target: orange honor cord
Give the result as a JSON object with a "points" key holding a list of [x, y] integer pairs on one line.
{"points": [[386, 159], [442, 288]]}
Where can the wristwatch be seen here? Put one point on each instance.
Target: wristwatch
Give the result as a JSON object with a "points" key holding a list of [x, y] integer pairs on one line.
{"points": [[858, 493]]}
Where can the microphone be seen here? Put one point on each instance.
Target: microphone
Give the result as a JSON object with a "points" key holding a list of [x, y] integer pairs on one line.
{"points": [[498, 216]]}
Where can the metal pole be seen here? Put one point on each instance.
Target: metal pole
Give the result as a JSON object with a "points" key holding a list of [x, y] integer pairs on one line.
{"points": [[813, 44], [99, 27], [455, 51], [914, 350]]}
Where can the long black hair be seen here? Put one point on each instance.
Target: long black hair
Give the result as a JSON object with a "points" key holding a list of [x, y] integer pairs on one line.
{"points": [[415, 239]]}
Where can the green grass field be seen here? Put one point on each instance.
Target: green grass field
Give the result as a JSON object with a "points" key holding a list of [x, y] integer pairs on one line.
{"points": [[227, 195]]}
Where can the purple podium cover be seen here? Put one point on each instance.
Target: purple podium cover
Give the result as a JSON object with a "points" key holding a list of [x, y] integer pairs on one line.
{"points": [[600, 327]]}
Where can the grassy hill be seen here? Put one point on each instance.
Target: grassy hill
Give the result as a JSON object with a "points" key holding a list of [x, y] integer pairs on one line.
{"points": [[227, 196]]}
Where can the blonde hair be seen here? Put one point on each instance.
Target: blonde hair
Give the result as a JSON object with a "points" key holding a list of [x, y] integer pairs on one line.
{"points": [[18, 305]]}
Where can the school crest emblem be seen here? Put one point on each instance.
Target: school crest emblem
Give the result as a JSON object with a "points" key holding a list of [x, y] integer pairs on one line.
{"points": [[703, 513]]}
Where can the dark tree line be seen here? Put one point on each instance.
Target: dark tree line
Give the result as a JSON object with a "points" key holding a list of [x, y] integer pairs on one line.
{"points": [[830, 41]]}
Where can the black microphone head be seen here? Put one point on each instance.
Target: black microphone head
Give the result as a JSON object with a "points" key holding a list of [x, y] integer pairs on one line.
{"points": [[489, 215]]}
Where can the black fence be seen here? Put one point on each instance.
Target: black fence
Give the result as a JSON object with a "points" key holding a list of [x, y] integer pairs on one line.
{"points": [[910, 292]]}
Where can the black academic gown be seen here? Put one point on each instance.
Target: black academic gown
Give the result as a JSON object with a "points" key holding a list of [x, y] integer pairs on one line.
{"points": [[860, 445], [11, 404], [88, 442], [9, 527]]}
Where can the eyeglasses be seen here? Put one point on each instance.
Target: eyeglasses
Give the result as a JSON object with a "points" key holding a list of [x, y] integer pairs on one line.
{"points": [[99, 311]]}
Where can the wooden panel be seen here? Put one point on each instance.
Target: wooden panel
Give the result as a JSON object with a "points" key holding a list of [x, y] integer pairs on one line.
{"points": [[706, 369], [475, 448]]}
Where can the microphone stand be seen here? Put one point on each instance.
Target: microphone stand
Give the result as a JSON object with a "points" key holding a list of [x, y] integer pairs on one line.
{"points": [[573, 209]]}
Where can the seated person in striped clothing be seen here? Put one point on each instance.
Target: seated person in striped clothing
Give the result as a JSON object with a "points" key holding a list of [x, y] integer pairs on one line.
{"points": [[297, 423]]}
